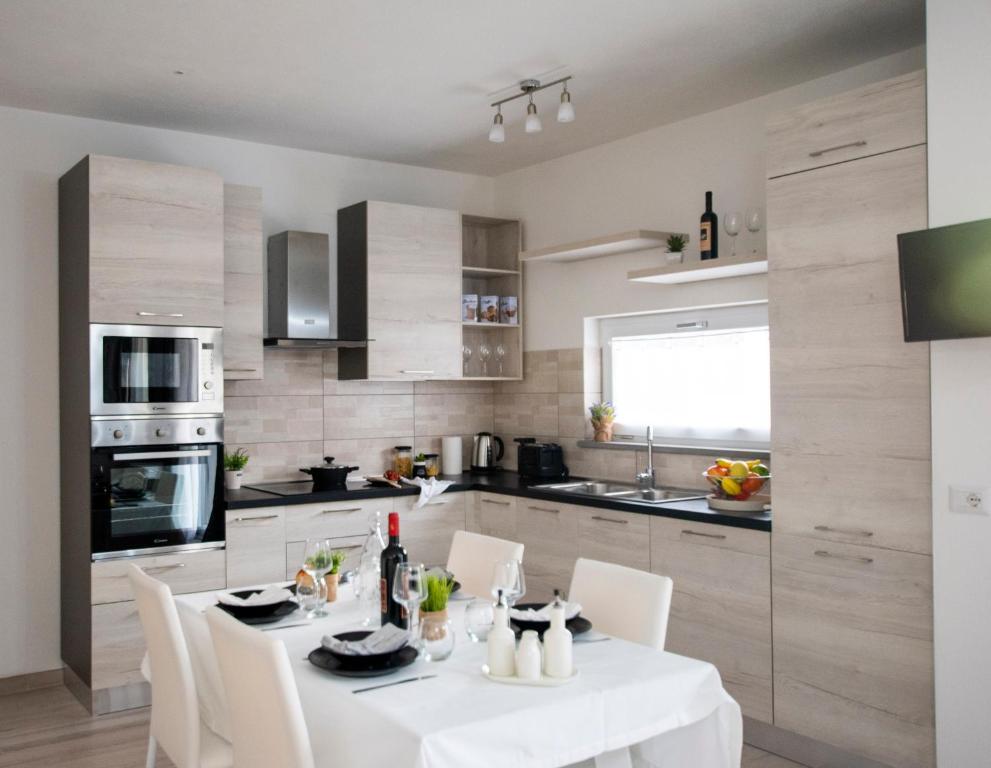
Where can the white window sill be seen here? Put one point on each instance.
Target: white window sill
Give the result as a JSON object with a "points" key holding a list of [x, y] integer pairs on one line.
{"points": [[620, 444]]}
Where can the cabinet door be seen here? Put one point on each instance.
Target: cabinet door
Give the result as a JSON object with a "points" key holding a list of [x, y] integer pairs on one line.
{"points": [[614, 537], [243, 324], [493, 514], [853, 652], [549, 533], [256, 546], [118, 645], [414, 292], [426, 532], [156, 243], [183, 572], [721, 606], [335, 519]]}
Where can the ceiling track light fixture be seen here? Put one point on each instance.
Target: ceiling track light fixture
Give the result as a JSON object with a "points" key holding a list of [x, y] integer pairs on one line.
{"points": [[565, 112]]}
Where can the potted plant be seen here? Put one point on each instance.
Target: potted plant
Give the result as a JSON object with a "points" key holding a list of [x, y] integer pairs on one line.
{"points": [[333, 576], [436, 630], [676, 248], [603, 415], [234, 464], [420, 465]]}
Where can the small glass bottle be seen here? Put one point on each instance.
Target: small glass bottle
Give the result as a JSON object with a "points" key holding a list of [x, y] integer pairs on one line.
{"points": [[368, 578], [402, 460]]}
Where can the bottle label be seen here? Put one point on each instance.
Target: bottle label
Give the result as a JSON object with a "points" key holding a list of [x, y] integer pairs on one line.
{"points": [[704, 245], [383, 592]]}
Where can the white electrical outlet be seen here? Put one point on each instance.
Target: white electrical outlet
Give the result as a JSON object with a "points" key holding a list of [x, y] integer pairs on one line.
{"points": [[970, 500]]}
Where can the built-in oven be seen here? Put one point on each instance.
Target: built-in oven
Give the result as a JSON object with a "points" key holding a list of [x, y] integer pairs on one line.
{"points": [[155, 370], [156, 485]]}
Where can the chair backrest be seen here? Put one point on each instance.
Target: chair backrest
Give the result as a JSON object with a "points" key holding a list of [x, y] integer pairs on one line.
{"points": [[640, 615], [266, 719], [175, 716], [473, 557]]}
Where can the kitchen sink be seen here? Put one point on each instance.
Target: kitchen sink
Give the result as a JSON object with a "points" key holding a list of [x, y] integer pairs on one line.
{"points": [[607, 489]]}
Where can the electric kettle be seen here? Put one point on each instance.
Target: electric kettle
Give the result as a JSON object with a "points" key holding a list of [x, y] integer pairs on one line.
{"points": [[483, 456]]}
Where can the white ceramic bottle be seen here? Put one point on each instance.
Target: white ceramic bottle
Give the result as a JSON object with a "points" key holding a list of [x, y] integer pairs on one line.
{"points": [[501, 642], [557, 643], [528, 656]]}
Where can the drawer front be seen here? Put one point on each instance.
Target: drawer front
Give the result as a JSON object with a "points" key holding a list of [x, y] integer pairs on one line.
{"points": [[194, 571], [549, 533], [118, 645], [335, 519], [351, 545], [493, 514], [256, 546], [427, 532], [867, 121], [853, 647], [614, 537], [721, 606]]}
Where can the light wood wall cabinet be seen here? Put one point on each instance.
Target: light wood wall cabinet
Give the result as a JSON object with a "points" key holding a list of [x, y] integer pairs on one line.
{"points": [[851, 546], [721, 607], [256, 546], [243, 261], [156, 239]]}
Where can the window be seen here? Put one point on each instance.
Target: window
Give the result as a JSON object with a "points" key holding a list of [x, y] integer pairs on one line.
{"points": [[699, 377]]}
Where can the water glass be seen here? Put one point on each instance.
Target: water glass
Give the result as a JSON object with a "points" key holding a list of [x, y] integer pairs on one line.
{"points": [[317, 562], [479, 618]]}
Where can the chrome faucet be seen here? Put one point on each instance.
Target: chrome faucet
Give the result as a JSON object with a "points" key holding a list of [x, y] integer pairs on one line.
{"points": [[646, 478]]}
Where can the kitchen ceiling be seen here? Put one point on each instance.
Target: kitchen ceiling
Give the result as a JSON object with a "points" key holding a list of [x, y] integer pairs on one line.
{"points": [[410, 82]]}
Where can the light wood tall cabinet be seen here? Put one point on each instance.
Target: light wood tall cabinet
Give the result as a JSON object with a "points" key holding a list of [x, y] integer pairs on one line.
{"points": [[243, 262], [852, 572]]}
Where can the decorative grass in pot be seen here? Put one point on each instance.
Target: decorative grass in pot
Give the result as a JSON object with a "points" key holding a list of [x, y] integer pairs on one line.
{"points": [[333, 577], [603, 415], [234, 464], [436, 630]]}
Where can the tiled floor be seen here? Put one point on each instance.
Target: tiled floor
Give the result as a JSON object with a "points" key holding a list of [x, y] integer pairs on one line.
{"points": [[49, 728]]}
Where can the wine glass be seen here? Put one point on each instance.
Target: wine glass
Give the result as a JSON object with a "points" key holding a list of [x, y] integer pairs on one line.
{"points": [[731, 222], [508, 578], [317, 562], [500, 353], [409, 589], [466, 354], [484, 353], [754, 222]]}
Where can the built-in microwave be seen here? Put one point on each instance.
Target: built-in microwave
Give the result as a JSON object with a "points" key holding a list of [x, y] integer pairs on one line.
{"points": [[155, 370]]}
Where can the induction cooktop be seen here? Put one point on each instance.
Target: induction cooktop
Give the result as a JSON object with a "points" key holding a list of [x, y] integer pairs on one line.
{"points": [[297, 487]]}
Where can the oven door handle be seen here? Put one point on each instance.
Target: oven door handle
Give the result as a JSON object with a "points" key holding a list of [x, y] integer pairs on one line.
{"points": [[160, 455]]}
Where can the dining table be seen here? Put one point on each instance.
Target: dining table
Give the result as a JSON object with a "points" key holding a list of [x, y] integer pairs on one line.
{"points": [[628, 704]]}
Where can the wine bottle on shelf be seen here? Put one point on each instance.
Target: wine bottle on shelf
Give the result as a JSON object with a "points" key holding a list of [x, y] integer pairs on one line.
{"points": [[709, 233], [392, 556]]}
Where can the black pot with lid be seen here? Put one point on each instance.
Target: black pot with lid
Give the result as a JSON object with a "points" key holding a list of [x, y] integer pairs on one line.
{"points": [[329, 476]]}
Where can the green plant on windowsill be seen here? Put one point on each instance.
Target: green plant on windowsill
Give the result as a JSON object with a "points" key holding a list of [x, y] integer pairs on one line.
{"points": [[236, 461], [439, 589], [676, 243]]}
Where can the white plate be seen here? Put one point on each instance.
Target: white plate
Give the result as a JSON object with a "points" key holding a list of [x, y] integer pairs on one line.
{"points": [[753, 504], [543, 682]]}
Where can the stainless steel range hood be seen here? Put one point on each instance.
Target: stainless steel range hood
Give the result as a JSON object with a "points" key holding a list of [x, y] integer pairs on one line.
{"points": [[302, 299]]}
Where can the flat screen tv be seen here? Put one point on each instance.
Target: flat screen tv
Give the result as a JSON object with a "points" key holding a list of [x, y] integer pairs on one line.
{"points": [[946, 281]]}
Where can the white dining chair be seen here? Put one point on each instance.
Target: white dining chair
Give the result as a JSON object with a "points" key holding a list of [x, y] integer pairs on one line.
{"points": [[266, 718], [175, 716], [623, 602], [473, 556]]}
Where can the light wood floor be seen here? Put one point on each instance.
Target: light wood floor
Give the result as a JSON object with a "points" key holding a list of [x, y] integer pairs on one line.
{"points": [[49, 728]]}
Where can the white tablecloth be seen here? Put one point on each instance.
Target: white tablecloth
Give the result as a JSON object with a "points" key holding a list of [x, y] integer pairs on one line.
{"points": [[673, 708]]}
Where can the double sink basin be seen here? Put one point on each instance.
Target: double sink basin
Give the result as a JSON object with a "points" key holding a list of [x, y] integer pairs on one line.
{"points": [[602, 489]]}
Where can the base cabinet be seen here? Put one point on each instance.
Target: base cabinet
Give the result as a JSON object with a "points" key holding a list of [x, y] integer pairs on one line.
{"points": [[256, 546], [426, 531], [493, 514], [549, 534]]}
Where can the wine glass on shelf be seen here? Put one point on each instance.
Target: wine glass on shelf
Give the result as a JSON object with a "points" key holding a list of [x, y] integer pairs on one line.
{"points": [[484, 353], [731, 222], [409, 589], [500, 353], [317, 562], [508, 578], [754, 223], [466, 355]]}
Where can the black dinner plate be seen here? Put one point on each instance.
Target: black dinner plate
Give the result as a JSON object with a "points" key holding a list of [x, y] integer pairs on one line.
{"points": [[371, 661], [576, 626], [279, 612], [321, 657]]}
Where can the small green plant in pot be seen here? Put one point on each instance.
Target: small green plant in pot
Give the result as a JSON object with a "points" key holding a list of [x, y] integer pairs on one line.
{"points": [[603, 415], [676, 248], [333, 577], [234, 464], [436, 630]]}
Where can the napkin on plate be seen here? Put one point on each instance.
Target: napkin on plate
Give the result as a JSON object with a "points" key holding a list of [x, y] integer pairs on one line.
{"points": [[544, 614], [268, 596], [385, 640]]}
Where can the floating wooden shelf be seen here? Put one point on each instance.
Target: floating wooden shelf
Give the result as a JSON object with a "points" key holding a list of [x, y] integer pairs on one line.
{"points": [[491, 378], [487, 272], [695, 271], [623, 242], [488, 326]]}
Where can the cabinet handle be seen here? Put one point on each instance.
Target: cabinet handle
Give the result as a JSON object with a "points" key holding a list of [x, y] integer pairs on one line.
{"points": [[851, 558], [821, 152], [256, 517], [845, 531], [687, 532], [241, 370], [342, 509], [160, 314], [610, 520], [497, 503], [159, 568], [423, 373], [544, 509]]}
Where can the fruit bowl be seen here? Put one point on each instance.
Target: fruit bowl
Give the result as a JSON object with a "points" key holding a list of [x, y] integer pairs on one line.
{"points": [[737, 480]]}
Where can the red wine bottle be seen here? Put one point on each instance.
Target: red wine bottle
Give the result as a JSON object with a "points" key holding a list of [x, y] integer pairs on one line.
{"points": [[392, 556], [709, 233]]}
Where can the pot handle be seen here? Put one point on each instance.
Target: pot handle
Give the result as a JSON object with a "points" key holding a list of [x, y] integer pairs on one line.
{"points": [[502, 447], [307, 471], [353, 469]]}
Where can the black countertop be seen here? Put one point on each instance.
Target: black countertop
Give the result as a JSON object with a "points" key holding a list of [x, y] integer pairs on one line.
{"points": [[511, 484]]}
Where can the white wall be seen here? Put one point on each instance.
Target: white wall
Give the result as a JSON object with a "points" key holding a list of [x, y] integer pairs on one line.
{"points": [[653, 180], [302, 190], [959, 124]]}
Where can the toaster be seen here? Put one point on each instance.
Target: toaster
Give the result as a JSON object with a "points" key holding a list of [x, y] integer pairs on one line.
{"points": [[540, 460]]}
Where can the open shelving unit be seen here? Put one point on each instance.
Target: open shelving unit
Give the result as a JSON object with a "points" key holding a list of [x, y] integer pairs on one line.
{"points": [[608, 245], [490, 251], [695, 270]]}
